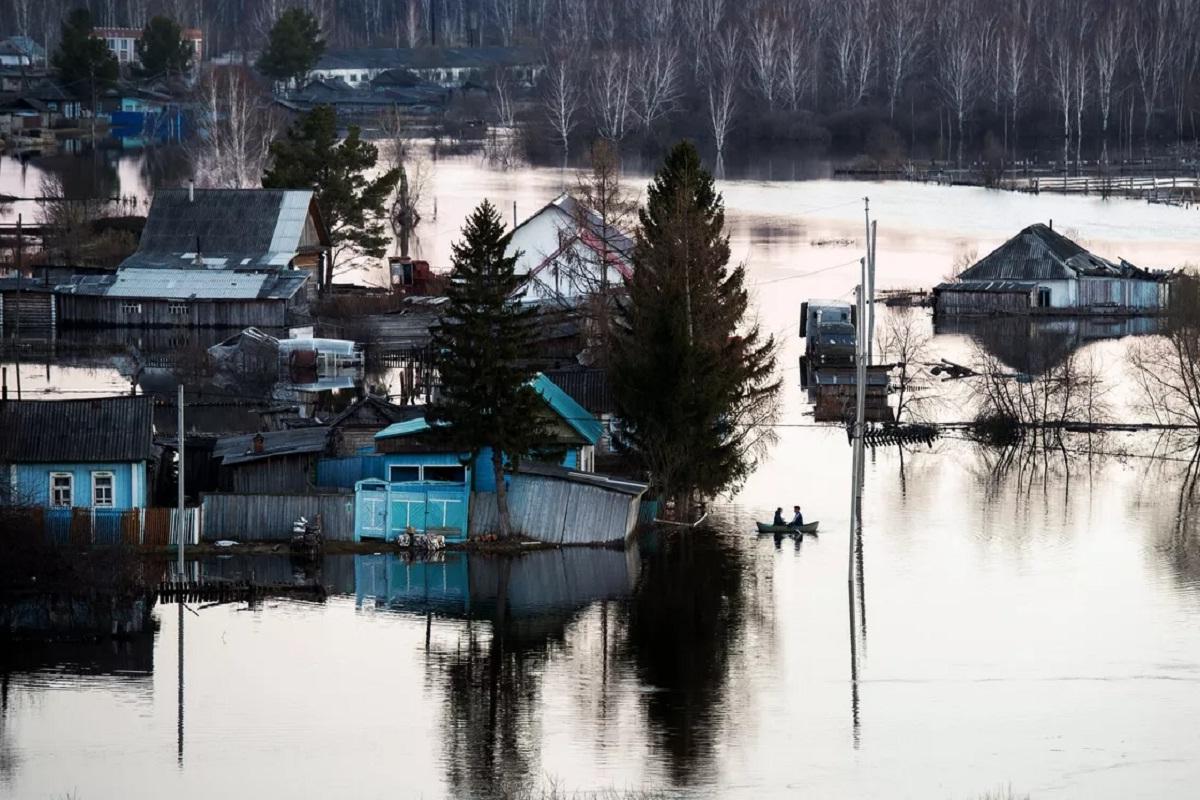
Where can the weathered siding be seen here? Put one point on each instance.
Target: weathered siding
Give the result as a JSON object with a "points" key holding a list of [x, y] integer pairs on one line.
{"points": [[282, 474], [85, 310], [1119, 293], [36, 311], [269, 517], [558, 511], [967, 303], [31, 483]]}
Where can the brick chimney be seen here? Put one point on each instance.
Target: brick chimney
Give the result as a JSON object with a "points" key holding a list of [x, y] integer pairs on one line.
{"points": [[259, 442]]}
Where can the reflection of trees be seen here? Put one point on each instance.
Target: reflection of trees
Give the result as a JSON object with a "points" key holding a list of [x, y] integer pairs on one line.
{"points": [[688, 627]]}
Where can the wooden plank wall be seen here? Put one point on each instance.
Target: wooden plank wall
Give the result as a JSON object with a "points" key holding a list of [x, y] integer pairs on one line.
{"points": [[558, 512], [269, 517], [87, 310]]}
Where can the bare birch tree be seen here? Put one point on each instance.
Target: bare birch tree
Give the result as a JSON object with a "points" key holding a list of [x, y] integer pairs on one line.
{"points": [[960, 68], [902, 32], [611, 90], [763, 55], [562, 98], [1150, 52], [1110, 48], [656, 81], [1016, 44], [855, 48], [238, 124]]}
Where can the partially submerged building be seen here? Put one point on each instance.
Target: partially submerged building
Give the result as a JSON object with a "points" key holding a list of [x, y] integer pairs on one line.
{"points": [[1042, 271], [217, 258], [443, 66]]}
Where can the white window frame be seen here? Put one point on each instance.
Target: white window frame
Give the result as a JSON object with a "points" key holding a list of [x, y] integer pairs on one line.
{"points": [[178, 308], [128, 307], [54, 490], [112, 489]]}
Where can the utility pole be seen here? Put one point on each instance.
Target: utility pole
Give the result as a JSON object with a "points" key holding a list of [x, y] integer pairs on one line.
{"points": [[869, 281], [20, 307], [179, 422]]}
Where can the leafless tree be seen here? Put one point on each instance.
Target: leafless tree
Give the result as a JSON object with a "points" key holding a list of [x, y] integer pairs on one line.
{"points": [[960, 68], [800, 59], [722, 86], [1166, 368], [702, 21], [501, 82], [656, 81], [1110, 49], [22, 17], [1016, 41], [504, 19], [763, 54], [904, 341], [855, 48], [562, 98], [238, 124], [903, 30], [612, 91], [1150, 46]]}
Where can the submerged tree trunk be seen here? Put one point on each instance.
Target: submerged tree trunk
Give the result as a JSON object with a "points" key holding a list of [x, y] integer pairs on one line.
{"points": [[501, 494]]}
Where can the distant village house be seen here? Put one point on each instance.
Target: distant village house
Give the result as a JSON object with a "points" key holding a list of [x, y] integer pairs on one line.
{"points": [[123, 42], [449, 67]]}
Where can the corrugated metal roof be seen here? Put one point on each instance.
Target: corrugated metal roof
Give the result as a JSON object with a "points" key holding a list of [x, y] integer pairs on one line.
{"points": [[406, 428], [1039, 253], [987, 286], [202, 284], [240, 449], [96, 429], [230, 228], [620, 485]]}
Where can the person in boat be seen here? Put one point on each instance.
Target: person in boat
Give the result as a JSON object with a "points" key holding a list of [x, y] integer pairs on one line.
{"points": [[778, 518], [798, 519]]}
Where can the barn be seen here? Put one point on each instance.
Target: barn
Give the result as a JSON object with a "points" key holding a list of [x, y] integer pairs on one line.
{"points": [[1041, 271]]}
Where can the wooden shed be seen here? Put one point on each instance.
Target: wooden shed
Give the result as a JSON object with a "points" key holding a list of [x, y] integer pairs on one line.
{"points": [[272, 462]]}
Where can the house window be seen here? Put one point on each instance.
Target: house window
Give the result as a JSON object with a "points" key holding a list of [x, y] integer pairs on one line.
{"points": [[60, 489], [102, 489], [398, 473], [131, 308], [1043, 297], [179, 309], [455, 474]]}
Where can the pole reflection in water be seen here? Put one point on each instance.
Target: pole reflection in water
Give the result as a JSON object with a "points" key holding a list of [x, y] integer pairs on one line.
{"points": [[179, 742]]}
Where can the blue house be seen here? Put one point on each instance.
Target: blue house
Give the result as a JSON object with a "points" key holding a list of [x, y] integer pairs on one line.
{"points": [[64, 454], [413, 481]]}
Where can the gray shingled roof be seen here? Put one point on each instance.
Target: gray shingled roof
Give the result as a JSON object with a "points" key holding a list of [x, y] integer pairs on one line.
{"points": [[240, 449], [233, 228], [1039, 253], [68, 431]]}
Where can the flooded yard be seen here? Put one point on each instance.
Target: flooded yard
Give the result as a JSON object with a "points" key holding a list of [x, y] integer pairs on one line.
{"points": [[1028, 619]]}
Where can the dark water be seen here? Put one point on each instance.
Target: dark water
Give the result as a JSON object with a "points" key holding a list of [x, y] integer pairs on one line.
{"points": [[1028, 620]]}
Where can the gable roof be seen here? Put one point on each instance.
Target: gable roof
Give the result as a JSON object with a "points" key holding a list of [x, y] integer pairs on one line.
{"points": [[367, 410], [1041, 253], [575, 415], [231, 450], [233, 228], [70, 431], [190, 284], [606, 241]]}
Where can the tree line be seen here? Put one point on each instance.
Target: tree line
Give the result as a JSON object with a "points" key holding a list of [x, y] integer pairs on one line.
{"points": [[1098, 75]]}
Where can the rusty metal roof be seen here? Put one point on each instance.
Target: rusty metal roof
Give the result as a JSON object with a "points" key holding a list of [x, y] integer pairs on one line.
{"points": [[1038, 253], [97, 429]]}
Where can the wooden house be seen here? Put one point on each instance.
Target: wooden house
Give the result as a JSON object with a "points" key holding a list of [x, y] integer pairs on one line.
{"points": [[1042, 271], [352, 432], [64, 454], [218, 258], [270, 462], [561, 249]]}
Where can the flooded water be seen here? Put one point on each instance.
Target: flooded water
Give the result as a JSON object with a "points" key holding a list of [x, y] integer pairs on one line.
{"points": [[1026, 621]]}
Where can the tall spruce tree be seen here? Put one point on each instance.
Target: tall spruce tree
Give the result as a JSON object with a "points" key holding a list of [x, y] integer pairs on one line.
{"points": [[84, 63], [294, 47], [485, 333], [352, 205], [694, 379], [162, 50]]}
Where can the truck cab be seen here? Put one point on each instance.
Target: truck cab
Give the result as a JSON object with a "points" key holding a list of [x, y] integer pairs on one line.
{"points": [[829, 331]]}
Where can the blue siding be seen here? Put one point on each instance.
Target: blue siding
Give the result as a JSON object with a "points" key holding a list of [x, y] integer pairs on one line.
{"points": [[386, 580], [32, 483]]}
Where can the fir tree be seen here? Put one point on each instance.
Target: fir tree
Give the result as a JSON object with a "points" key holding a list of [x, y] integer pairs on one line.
{"points": [[84, 63], [162, 50], [485, 333], [294, 48], [352, 206], [693, 378]]}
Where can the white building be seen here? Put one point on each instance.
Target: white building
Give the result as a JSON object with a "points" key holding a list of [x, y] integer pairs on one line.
{"points": [[449, 67], [562, 248]]}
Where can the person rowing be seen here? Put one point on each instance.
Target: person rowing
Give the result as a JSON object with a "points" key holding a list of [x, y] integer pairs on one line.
{"points": [[778, 521]]}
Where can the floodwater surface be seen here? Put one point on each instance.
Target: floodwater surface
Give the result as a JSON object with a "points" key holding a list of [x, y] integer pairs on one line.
{"points": [[1025, 620]]}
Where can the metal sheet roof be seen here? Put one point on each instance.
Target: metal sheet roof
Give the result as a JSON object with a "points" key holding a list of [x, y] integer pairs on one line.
{"points": [[230, 228], [233, 450], [620, 485], [406, 428], [198, 284], [1039, 253], [987, 286], [103, 429], [575, 415]]}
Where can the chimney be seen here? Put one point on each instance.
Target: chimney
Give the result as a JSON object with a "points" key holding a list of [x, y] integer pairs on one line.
{"points": [[1051, 224], [258, 443], [191, 191]]}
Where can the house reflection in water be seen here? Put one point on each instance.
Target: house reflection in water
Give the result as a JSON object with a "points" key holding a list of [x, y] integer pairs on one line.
{"points": [[471, 585], [1033, 345]]}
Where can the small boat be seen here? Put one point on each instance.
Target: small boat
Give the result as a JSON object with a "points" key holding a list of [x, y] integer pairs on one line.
{"points": [[808, 527]]}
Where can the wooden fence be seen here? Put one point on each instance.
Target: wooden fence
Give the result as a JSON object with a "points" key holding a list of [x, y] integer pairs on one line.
{"points": [[269, 517], [100, 526]]}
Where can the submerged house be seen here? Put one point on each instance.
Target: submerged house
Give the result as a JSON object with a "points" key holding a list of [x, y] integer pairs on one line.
{"points": [[64, 454], [219, 258], [566, 252], [415, 481], [1042, 271]]}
